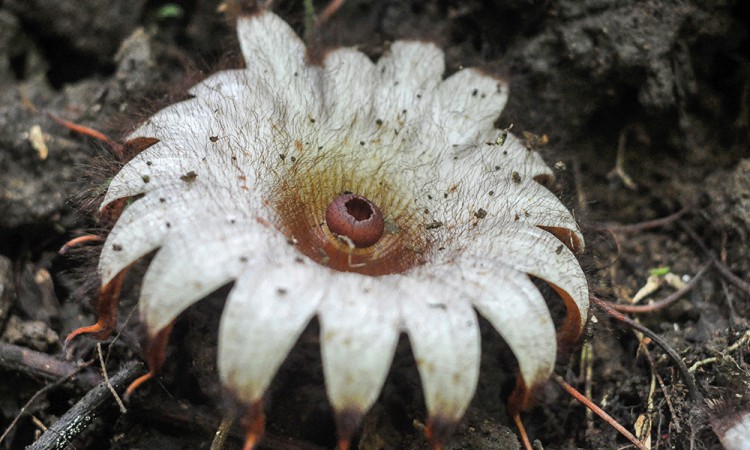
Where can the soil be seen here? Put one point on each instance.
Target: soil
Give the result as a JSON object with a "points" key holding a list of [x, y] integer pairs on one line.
{"points": [[658, 89]]}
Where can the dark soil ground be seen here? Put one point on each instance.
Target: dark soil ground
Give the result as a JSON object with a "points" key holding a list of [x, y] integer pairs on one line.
{"points": [[658, 89]]}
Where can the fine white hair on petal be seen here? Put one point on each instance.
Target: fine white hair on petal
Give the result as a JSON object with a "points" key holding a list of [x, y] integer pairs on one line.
{"points": [[506, 199], [467, 104], [275, 55], [406, 75], [508, 299], [184, 271], [181, 122], [348, 85], [225, 85], [270, 47], [444, 336], [359, 327], [139, 230], [538, 253], [265, 313]]}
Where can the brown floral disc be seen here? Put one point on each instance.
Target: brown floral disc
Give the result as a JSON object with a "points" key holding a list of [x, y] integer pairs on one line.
{"points": [[361, 224]]}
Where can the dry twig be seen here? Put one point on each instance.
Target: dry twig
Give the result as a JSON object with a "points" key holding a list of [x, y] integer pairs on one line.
{"points": [[83, 413], [695, 394], [668, 300]]}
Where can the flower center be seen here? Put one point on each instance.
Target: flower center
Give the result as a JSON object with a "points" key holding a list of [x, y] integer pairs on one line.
{"points": [[350, 218], [355, 218]]}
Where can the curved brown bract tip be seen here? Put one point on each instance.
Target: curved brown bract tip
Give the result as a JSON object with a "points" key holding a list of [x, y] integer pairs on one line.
{"points": [[135, 146], [138, 382], [253, 422], [101, 330], [522, 432], [156, 350], [572, 326], [522, 398], [111, 212], [567, 237], [106, 310], [347, 424], [78, 241], [438, 430]]}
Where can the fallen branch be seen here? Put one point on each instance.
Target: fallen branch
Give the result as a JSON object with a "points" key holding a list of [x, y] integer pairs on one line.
{"points": [[89, 408], [44, 366]]}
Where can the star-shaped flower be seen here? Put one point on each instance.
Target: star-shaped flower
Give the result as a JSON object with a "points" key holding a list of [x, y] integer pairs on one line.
{"points": [[377, 197]]}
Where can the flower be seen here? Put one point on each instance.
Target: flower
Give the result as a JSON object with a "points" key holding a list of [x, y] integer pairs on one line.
{"points": [[378, 197]]}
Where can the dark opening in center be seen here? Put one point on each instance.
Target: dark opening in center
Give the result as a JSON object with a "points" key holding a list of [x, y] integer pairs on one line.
{"points": [[359, 209]]}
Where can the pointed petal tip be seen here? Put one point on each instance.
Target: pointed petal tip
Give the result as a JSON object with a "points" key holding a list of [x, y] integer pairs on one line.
{"points": [[523, 396], [438, 430], [347, 424], [253, 422]]}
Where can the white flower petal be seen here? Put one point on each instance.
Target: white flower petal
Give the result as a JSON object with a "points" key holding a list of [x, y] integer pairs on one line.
{"points": [[225, 86], [348, 86], [270, 46], [264, 315], [467, 104], [444, 336], [539, 253], [525, 201], [183, 121], [143, 174], [183, 169], [139, 230], [275, 54], [517, 310], [407, 74], [514, 156], [501, 160], [184, 270], [359, 327]]}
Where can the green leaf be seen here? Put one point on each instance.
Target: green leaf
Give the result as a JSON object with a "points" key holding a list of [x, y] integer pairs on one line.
{"points": [[170, 11], [659, 271]]}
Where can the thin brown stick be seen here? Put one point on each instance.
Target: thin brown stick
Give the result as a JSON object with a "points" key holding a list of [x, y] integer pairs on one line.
{"points": [[598, 411], [686, 375], [522, 431], [641, 226], [111, 388], [329, 11], [725, 271], [729, 275], [117, 149], [668, 300]]}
